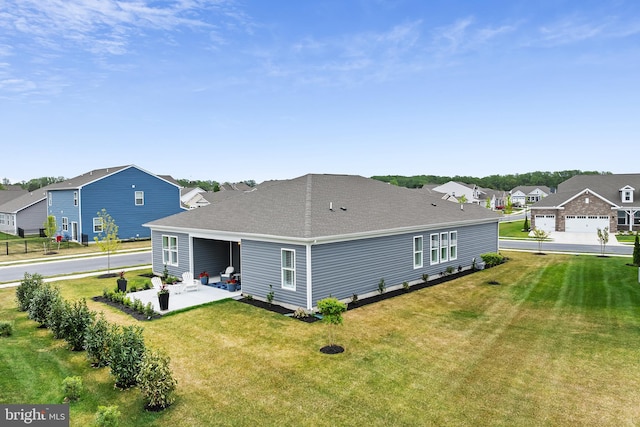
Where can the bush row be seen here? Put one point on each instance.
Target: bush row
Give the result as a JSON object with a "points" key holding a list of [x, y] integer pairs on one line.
{"points": [[121, 348], [135, 304]]}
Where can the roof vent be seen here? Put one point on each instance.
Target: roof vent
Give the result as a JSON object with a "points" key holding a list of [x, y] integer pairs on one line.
{"points": [[433, 204], [343, 208], [461, 207], [331, 206]]}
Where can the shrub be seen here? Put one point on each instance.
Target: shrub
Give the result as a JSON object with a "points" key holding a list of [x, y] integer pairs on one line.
{"points": [[6, 328], [300, 313], [78, 320], [270, 294], [636, 251], [126, 349], [425, 277], [43, 300], [96, 342], [24, 293], [107, 416], [405, 286], [56, 319], [450, 270], [491, 259], [72, 387], [381, 286], [155, 380], [148, 310], [354, 299]]}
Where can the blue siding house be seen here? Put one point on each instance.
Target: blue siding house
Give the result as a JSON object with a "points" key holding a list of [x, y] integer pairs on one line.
{"points": [[320, 235], [131, 195]]}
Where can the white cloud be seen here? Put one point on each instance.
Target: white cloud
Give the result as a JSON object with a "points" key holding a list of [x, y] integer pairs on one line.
{"points": [[575, 29]]}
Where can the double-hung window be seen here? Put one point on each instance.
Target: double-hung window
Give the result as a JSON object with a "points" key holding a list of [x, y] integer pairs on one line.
{"points": [[444, 246], [75, 198], [453, 245], [65, 223], [288, 257], [170, 250], [417, 252], [435, 247], [97, 225], [139, 197]]}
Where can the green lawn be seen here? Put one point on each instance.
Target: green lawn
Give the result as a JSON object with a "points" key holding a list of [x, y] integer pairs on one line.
{"points": [[554, 343], [513, 230]]}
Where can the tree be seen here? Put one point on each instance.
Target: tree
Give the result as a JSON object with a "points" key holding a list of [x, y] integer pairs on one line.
{"points": [[525, 227], [603, 237], [50, 228], [636, 251], [462, 199], [540, 235], [331, 310], [107, 240]]}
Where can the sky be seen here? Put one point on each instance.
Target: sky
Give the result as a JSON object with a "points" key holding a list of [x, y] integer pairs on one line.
{"points": [[228, 90]]}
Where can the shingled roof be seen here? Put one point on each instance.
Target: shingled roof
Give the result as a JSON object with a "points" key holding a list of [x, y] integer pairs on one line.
{"points": [[606, 186], [96, 174], [317, 206]]}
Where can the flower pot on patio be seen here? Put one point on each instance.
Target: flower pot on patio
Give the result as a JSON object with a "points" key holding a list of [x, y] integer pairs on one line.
{"points": [[232, 286], [204, 280], [163, 299]]}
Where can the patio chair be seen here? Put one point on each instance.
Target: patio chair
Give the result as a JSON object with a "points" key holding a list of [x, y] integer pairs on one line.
{"points": [[188, 283], [226, 275], [157, 283]]}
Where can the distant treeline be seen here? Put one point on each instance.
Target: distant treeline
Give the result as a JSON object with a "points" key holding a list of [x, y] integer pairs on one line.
{"points": [[495, 182]]}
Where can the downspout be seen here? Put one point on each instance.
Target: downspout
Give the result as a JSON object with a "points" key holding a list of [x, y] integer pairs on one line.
{"points": [[309, 281]]}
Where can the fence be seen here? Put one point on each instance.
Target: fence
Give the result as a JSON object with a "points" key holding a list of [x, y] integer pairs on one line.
{"points": [[30, 244]]}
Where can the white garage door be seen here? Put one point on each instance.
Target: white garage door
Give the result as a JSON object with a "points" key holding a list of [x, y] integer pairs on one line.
{"points": [[585, 223], [546, 222]]}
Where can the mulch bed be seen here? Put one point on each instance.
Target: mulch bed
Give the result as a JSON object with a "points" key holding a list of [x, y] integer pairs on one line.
{"points": [[359, 303], [127, 310]]}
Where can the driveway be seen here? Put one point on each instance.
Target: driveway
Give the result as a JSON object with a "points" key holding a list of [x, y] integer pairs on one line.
{"points": [[569, 243]]}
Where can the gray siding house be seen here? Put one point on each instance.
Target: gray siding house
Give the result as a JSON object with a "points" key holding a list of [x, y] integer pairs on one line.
{"points": [[28, 211], [321, 235]]}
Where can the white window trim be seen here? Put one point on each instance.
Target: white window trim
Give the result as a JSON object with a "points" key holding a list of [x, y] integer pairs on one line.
{"points": [[434, 249], [418, 251], [169, 250], [50, 198], [292, 269], [136, 198], [97, 225], [453, 237], [65, 223], [75, 198], [444, 247]]}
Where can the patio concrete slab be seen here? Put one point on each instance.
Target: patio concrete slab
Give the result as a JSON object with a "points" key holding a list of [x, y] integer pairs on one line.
{"points": [[203, 295]]}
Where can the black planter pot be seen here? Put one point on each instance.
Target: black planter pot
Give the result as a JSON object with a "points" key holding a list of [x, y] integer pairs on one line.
{"points": [[122, 285], [163, 299]]}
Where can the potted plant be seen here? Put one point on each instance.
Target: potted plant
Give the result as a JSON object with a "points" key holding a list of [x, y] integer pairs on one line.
{"points": [[122, 283], [232, 285], [163, 297], [204, 278]]}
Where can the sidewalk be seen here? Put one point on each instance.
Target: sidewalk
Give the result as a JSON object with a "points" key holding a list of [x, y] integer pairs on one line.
{"points": [[580, 238]]}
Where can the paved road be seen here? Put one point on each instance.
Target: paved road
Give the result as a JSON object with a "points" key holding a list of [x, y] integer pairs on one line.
{"points": [[72, 266], [565, 247]]}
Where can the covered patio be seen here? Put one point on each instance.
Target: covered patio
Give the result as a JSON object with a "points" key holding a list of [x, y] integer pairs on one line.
{"points": [[179, 301]]}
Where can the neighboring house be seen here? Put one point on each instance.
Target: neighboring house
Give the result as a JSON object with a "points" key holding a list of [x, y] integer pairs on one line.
{"points": [[585, 203], [22, 210], [131, 195], [453, 191], [527, 194], [197, 197], [192, 198], [321, 235]]}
